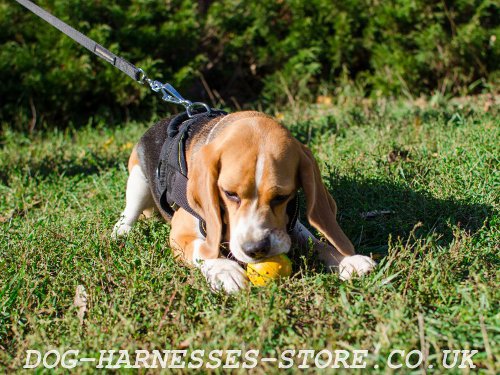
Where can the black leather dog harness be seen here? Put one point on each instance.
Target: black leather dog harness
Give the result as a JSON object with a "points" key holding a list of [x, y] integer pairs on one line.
{"points": [[172, 169]]}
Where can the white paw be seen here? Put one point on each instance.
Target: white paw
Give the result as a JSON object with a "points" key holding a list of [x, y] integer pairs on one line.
{"points": [[224, 274], [120, 229], [355, 264]]}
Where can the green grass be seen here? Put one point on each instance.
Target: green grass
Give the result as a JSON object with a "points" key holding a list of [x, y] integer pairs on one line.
{"points": [[435, 170]]}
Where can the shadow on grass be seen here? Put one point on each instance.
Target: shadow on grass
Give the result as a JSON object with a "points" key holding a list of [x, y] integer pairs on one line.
{"points": [[4, 177], [396, 210], [55, 166]]}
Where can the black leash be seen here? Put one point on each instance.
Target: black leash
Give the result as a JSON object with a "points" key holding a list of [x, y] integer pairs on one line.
{"points": [[169, 93]]}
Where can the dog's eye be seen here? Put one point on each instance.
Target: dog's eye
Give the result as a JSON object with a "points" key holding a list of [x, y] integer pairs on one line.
{"points": [[232, 196], [279, 199]]}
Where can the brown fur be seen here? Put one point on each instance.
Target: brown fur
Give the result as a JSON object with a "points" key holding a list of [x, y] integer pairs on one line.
{"points": [[133, 160]]}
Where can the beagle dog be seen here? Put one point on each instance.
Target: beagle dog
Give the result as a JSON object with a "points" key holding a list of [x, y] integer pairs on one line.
{"points": [[243, 169]]}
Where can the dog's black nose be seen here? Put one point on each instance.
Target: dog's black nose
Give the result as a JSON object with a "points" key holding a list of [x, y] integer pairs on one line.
{"points": [[257, 249]]}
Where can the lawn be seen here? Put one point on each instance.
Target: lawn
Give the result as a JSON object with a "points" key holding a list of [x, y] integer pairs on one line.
{"points": [[417, 185]]}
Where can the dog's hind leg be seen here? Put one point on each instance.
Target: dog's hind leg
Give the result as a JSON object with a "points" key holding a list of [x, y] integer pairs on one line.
{"points": [[138, 198]]}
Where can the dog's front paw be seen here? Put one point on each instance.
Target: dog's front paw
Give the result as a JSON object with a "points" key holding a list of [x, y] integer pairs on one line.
{"points": [[120, 229], [355, 264], [224, 274]]}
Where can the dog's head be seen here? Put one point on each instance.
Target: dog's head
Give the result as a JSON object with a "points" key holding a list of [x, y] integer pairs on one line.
{"points": [[246, 179]]}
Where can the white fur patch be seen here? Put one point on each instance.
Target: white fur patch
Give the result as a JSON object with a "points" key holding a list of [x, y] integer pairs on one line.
{"points": [[280, 242], [259, 171], [120, 229], [246, 229], [138, 198], [224, 274], [355, 264], [249, 229]]}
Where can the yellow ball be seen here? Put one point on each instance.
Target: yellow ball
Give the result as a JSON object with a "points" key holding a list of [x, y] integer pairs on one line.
{"points": [[264, 272]]}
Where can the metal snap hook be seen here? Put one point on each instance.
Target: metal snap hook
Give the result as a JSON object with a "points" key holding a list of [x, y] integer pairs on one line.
{"points": [[170, 94]]}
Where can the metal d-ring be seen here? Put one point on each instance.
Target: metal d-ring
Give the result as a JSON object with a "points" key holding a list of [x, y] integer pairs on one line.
{"points": [[191, 106]]}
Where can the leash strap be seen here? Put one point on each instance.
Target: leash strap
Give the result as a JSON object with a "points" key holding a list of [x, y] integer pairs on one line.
{"points": [[126, 67], [169, 93]]}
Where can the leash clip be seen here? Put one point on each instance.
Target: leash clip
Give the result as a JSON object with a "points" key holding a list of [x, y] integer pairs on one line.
{"points": [[170, 94]]}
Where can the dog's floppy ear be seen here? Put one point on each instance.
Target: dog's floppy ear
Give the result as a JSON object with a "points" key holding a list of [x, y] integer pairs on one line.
{"points": [[203, 195], [321, 208]]}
